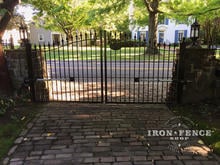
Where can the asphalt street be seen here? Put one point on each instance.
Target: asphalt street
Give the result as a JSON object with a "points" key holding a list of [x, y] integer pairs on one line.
{"points": [[67, 70]]}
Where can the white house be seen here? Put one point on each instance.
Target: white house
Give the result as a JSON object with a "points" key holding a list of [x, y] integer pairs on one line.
{"points": [[169, 31], [40, 35], [11, 36]]}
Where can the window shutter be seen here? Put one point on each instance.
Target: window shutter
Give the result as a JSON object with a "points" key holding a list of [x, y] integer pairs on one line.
{"points": [[166, 21], [176, 36], [185, 33], [147, 36], [138, 35]]}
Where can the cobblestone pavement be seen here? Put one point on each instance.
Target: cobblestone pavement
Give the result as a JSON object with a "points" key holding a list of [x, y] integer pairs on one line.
{"points": [[98, 134], [116, 91]]}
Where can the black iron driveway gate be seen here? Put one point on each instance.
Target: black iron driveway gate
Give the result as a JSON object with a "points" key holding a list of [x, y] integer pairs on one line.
{"points": [[103, 67]]}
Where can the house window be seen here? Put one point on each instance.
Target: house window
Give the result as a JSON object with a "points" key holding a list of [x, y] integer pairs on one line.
{"points": [[41, 37], [180, 35]]}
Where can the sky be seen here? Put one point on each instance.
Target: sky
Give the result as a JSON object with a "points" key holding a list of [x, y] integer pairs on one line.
{"points": [[26, 11]]}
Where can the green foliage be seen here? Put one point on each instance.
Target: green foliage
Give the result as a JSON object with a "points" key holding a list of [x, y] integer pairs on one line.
{"points": [[205, 115], [61, 15], [214, 140], [2, 11], [185, 8], [108, 15], [11, 127], [15, 21], [211, 30], [68, 16], [6, 104], [182, 9], [8, 130], [216, 147], [8, 133], [140, 13]]}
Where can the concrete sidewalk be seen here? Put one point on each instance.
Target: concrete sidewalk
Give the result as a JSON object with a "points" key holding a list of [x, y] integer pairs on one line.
{"points": [[95, 134]]}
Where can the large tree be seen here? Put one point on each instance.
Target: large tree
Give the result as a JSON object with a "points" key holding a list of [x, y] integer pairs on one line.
{"points": [[61, 15], [153, 10], [6, 13], [211, 30], [70, 16], [103, 15], [180, 9], [206, 11]]}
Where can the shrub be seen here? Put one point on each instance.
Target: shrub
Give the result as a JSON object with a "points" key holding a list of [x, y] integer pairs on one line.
{"points": [[6, 104], [118, 44]]}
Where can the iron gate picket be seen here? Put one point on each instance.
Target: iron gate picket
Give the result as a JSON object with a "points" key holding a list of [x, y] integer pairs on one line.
{"points": [[104, 67]]}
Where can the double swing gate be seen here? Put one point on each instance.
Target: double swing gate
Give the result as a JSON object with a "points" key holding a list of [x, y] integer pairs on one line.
{"points": [[103, 67]]}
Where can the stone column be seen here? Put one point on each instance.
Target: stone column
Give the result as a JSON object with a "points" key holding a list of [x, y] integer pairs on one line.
{"points": [[17, 67], [18, 70], [39, 69], [199, 75]]}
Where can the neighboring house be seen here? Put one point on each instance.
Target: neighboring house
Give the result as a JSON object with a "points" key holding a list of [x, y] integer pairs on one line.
{"points": [[11, 36], [40, 35], [169, 31]]}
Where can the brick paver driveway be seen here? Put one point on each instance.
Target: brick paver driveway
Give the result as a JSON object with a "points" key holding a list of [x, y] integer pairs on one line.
{"points": [[66, 133]]}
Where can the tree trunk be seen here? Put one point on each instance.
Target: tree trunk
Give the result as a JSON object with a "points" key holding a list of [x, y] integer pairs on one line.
{"points": [[152, 8], [5, 83], [152, 40], [68, 32], [9, 5]]}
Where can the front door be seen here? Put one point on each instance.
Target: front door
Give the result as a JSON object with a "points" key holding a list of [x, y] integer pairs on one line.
{"points": [[56, 39]]}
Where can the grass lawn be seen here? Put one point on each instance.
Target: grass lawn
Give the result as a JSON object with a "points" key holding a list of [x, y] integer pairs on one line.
{"points": [[94, 53], [125, 53], [8, 132], [205, 116], [12, 123]]}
